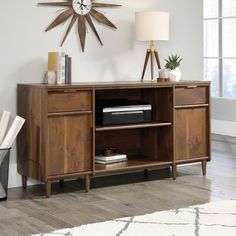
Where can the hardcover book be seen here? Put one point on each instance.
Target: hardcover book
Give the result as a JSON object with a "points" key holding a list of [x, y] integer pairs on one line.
{"points": [[110, 159]]}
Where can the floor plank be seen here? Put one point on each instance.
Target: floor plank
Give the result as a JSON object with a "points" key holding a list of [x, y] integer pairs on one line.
{"points": [[29, 212]]}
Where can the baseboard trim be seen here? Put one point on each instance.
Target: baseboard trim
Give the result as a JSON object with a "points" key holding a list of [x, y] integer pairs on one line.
{"points": [[222, 127]]}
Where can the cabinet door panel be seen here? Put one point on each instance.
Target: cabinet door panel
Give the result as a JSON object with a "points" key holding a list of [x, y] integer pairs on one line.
{"points": [[191, 133], [70, 144]]}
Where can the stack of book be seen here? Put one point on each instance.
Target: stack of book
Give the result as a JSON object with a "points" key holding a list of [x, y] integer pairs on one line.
{"points": [[105, 160], [61, 64]]}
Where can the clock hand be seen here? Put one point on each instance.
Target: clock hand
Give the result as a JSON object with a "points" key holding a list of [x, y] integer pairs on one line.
{"points": [[86, 6]]}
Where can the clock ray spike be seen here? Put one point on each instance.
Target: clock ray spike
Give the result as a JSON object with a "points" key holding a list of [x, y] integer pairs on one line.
{"points": [[101, 18], [58, 4], [96, 4], [89, 20], [82, 31], [74, 18], [60, 19]]}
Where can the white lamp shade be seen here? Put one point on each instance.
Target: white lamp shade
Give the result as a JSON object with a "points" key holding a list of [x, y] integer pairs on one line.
{"points": [[152, 26]]}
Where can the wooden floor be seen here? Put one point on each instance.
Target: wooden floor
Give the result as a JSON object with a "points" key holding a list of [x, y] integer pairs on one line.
{"points": [[29, 212]]}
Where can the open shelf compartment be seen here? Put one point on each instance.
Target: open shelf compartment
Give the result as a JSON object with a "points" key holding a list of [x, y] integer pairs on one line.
{"points": [[147, 145], [133, 163]]}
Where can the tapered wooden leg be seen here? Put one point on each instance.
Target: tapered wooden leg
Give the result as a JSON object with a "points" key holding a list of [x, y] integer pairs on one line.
{"points": [[174, 172], [152, 67], [145, 173], [61, 182], [87, 183], [48, 188], [157, 59], [204, 165], [24, 181], [145, 64]]}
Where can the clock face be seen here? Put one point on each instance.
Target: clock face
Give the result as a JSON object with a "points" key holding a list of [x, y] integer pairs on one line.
{"points": [[82, 7]]}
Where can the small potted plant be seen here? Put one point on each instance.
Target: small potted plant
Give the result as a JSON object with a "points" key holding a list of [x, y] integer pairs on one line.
{"points": [[172, 64]]}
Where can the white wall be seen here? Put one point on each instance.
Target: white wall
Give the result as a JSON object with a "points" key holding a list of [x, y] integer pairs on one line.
{"points": [[224, 116], [24, 46]]}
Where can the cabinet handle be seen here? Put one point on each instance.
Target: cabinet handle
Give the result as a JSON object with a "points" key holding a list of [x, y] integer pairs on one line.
{"points": [[191, 86], [70, 91]]}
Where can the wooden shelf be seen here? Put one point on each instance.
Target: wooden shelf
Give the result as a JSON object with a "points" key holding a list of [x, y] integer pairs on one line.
{"points": [[192, 106], [133, 126], [134, 163]]}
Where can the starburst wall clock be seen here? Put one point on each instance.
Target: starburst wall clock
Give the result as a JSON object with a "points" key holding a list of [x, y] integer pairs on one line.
{"points": [[80, 11]]}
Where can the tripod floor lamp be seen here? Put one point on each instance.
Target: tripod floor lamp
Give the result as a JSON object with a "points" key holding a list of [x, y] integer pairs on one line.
{"points": [[151, 26]]}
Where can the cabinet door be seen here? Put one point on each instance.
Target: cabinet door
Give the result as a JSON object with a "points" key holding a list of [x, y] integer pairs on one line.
{"points": [[191, 133], [70, 144]]}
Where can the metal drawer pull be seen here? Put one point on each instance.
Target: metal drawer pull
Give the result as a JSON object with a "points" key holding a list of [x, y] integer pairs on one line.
{"points": [[191, 86]]}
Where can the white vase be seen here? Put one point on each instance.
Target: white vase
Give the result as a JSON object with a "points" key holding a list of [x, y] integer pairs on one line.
{"points": [[175, 75], [50, 77]]}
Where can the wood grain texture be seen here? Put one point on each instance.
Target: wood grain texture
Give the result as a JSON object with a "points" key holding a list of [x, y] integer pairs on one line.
{"points": [[145, 64], [89, 20], [31, 150], [82, 31], [191, 95], [60, 140], [125, 141], [191, 133], [157, 59], [87, 183], [133, 126], [48, 188], [69, 101], [115, 85], [24, 181], [113, 93], [58, 4], [135, 163], [204, 166], [101, 18], [60, 19], [70, 144], [74, 18], [152, 66]]}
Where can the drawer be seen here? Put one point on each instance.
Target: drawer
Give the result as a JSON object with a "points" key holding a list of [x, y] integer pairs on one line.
{"points": [[69, 100], [191, 94]]}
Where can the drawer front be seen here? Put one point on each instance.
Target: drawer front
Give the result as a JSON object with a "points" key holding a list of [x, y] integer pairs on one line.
{"points": [[69, 101], [191, 95]]}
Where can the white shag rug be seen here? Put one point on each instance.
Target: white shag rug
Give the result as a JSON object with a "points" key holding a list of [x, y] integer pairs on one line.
{"points": [[211, 219]]}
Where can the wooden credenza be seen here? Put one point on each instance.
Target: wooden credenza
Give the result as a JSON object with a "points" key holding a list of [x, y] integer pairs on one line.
{"points": [[60, 139]]}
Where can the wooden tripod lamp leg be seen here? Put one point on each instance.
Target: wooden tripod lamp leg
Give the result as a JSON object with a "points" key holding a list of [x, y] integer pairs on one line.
{"points": [[152, 66], [157, 59], [145, 64]]}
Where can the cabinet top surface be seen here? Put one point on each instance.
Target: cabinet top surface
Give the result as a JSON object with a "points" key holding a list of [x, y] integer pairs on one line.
{"points": [[118, 84]]}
